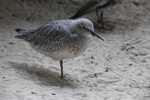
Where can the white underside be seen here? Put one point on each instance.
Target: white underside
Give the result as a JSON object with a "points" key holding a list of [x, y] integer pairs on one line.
{"points": [[66, 54], [63, 55]]}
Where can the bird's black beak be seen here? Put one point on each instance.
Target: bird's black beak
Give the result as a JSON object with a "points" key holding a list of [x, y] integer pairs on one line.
{"points": [[96, 35]]}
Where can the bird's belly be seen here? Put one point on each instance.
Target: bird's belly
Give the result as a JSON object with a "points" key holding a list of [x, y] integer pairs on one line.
{"points": [[65, 50], [62, 55]]}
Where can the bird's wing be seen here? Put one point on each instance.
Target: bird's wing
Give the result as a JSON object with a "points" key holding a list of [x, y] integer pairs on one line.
{"points": [[87, 6], [91, 6], [84, 8], [101, 4], [105, 4], [50, 33]]}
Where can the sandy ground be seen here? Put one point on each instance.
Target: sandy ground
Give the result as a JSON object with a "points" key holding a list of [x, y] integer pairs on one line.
{"points": [[116, 69]]}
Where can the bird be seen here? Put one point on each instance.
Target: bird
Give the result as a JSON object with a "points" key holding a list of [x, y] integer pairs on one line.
{"points": [[95, 5], [60, 39]]}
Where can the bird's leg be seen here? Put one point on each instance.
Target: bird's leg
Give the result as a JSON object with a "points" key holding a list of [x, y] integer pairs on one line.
{"points": [[97, 14], [101, 18], [61, 66]]}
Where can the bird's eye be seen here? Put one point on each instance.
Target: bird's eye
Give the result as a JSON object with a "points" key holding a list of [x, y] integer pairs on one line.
{"points": [[40, 34], [83, 27]]}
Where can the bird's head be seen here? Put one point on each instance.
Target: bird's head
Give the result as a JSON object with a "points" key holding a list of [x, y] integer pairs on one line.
{"points": [[86, 28]]}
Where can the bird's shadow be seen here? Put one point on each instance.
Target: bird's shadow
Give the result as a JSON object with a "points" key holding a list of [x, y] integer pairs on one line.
{"points": [[119, 24], [43, 76]]}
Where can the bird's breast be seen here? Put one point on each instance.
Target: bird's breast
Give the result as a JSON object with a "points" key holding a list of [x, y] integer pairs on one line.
{"points": [[66, 48]]}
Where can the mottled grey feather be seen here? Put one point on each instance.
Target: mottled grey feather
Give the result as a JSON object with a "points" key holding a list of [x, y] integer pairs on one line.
{"points": [[60, 39]]}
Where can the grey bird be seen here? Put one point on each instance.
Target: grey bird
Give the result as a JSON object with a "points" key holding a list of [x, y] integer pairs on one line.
{"points": [[95, 5], [60, 39]]}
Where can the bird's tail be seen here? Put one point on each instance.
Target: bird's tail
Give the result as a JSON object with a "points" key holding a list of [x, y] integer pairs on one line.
{"points": [[24, 34], [20, 36]]}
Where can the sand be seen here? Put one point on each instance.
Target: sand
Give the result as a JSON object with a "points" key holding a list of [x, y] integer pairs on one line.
{"points": [[116, 69]]}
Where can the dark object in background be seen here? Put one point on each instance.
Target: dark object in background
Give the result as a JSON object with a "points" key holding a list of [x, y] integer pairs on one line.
{"points": [[95, 5]]}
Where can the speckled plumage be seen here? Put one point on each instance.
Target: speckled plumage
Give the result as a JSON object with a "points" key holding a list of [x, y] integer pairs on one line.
{"points": [[61, 39]]}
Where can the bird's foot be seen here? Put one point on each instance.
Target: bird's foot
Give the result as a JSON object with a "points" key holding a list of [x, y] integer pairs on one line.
{"points": [[106, 28], [61, 77], [102, 26]]}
